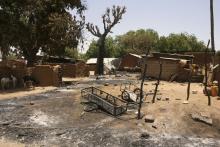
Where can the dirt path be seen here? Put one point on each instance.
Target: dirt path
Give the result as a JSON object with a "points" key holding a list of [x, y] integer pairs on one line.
{"points": [[57, 118], [8, 143], [23, 92]]}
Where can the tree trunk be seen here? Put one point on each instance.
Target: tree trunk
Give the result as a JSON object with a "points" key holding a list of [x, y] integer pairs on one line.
{"points": [[30, 55], [101, 55], [31, 59], [4, 54]]}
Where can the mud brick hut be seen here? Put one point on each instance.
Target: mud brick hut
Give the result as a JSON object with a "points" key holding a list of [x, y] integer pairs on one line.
{"points": [[55, 59], [47, 75], [16, 68], [172, 65], [130, 62], [199, 57], [216, 71], [70, 67], [109, 64], [79, 69]]}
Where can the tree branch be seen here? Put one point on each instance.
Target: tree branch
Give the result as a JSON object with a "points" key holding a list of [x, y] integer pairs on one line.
{"points": [[117, 13], [94, 30]]}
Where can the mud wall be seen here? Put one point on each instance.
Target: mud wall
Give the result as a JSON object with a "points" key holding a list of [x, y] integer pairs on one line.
{"points": [[128, 62], [92, 67], [46, 75], [69, 70], [199, 57], [170, 67], [15, 68], [217, 71], [81, 70]]}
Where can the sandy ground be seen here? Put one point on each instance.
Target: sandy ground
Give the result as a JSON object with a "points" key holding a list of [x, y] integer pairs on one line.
{"points": [[7, 143], [172, 116], [57, 118], [23, 92]]}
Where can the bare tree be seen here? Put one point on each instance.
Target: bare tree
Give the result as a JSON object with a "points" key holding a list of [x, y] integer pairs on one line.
{"points": [[110, 19]]}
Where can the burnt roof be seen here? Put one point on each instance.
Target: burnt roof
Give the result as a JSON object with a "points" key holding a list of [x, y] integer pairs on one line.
{"points": [[171, 56]]}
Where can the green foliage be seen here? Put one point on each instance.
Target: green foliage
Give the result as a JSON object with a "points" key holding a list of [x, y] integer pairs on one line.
{"points": [[133, 41], [138, 41], [110, 46], [218, 53], [82, 56], [183, 42], [92, 52], [39, 25], [71, 52]]}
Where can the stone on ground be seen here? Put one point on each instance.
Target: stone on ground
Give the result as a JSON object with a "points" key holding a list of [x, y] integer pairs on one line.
{"points": [[185, 102], [145, 135], [90, 107], [149, 118], [106, 84], [142, 114], [202, 118], [167, 99], [194, 92], [158, 98]]}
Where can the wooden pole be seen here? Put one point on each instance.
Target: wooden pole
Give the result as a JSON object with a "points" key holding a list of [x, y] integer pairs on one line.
{"points": [[142, 85], [213, 36], [206, 74], [212, 27], [189, 81], [157, 84]]}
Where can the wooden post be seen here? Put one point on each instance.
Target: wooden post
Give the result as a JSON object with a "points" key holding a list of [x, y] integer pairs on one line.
{"points": [[142, 85], [189, 81], [212, 27], [219, 86], [213, 36], [206, 75], [158, 83]]}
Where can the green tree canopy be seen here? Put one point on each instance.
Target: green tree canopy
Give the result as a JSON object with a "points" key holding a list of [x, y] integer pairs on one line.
{"points": [[39, 25], [183, 42], [138, 41], [110, 46]]}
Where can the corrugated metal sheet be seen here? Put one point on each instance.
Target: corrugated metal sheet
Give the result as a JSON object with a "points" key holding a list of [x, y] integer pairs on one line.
{"points": [[94, 60], [108, 62], [138, 56]]}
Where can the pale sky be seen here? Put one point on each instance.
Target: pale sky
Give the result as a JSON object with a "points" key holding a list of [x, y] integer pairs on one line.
{"points": [[164, 16]]}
